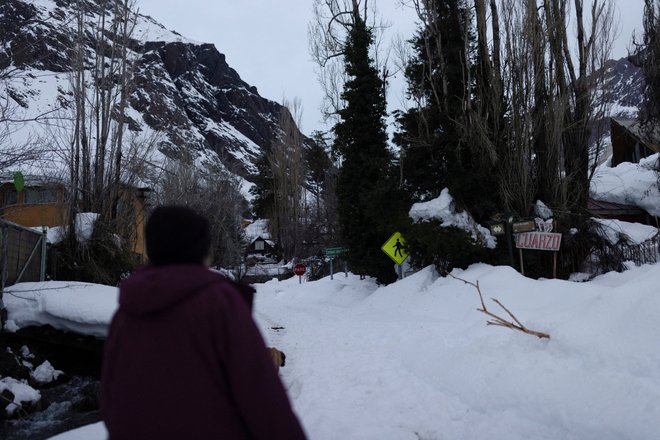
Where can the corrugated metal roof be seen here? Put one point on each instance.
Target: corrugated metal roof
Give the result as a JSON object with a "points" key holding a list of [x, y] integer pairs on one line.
{"points": [[649, 136]]}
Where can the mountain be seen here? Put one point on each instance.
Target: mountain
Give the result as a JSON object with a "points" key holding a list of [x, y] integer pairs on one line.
{"points": [[184, 92], [624, 88]]}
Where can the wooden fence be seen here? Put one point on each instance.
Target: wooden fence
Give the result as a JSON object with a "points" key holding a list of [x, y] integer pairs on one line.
{"points": [[22, 254], [642, 253]]}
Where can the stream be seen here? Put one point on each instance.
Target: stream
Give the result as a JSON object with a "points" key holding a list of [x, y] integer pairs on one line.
{"points": [[68, 407], [70, 402]]}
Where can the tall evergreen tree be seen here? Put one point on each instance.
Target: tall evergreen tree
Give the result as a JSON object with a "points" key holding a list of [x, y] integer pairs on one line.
{"points": [[263, 191], [369, 204], [428, 135], [434, 144]]}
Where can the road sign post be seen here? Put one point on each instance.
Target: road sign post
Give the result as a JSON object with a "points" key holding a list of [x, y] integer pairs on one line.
{"points": [[299, 269], [395, 248], [332, 253]]}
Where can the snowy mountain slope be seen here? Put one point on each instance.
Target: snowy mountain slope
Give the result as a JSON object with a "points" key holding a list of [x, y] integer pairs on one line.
{"points": [[184, 91], [624, 84]]}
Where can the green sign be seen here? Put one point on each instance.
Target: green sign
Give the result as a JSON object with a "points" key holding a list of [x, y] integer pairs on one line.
{"points": [[334, 251], [19, 181]]}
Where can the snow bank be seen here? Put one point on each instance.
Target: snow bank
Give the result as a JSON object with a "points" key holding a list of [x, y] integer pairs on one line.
{"points": [[442, 208], [630, 184], [414, 359], [66, 305]]}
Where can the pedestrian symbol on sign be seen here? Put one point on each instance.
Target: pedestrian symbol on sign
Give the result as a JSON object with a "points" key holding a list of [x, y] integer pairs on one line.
{"points": [[398, 246]]}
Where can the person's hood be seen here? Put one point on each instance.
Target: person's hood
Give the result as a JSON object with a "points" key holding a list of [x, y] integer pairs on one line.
{"points": [[151, 289]]}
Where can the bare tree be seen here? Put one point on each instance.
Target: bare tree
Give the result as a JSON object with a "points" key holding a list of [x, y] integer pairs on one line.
{"points": [[213, 191], [288, 170], [549, 79], [100, 87], [331, 22], [14, 119]]}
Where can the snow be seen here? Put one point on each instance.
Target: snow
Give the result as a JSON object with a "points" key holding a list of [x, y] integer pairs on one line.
{"points": [[629, 184], [45, 373], [542, 211], [84, 225], [442, 208], [414, 359], [631, 233], [89, 432], [258, 228], [66, 305], [23, 393]]}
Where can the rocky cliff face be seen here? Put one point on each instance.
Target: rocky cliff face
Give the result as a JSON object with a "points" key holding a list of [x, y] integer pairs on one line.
{"points": [[183, 90], [624, 86]]}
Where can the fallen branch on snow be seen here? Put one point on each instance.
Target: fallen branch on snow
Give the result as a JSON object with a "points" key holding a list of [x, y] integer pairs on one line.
{"points": [[498, 320]]}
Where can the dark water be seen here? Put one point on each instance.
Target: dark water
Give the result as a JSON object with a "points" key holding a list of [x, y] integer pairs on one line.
{"points": [[66, 405], [67, 409]]}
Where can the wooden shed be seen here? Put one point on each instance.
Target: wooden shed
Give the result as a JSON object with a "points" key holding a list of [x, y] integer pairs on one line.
{"points": [[632, 142]]}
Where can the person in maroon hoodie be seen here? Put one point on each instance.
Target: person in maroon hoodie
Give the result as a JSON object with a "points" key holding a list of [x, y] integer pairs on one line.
{"points": [[183, 358]]}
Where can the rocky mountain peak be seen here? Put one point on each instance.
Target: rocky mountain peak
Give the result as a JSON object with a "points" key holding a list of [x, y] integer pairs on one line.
{"points": [[184, 90]]}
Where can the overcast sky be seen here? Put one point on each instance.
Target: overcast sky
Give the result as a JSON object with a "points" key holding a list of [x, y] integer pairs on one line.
{"points": [[265, 41]]}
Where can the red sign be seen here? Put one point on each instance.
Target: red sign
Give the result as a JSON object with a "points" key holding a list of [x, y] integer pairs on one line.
{"points": [[545, 241], [299, 269]]}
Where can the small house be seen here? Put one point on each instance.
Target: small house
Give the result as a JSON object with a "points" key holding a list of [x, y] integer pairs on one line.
{"points": [[632, 142], [262, 250]]}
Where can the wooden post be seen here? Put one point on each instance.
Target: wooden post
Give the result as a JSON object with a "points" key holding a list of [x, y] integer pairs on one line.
{"points": [[522, 266], [554, 265]]}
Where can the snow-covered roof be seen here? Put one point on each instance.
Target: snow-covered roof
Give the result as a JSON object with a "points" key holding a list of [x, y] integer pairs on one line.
{"points": [[650, 136], [629, 184], [258, 228], [632, 233]]}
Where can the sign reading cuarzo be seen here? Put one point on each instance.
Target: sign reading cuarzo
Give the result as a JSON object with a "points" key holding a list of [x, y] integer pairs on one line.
{"points": [[544, 241]]}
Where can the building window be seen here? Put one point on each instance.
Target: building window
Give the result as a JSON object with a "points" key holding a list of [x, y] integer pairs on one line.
{"points": [[11, 197], [259, 245], [40, 195]]}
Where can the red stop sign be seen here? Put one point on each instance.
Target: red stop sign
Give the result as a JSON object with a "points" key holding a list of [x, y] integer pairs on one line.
{"points": [[299, 269]]}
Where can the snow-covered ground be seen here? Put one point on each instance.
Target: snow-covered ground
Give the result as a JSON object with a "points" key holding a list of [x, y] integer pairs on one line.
{"points": [[416, 360]]}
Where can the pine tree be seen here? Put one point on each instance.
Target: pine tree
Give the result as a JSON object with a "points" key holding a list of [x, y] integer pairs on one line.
{"points": [[369, 205], [436, 153], [263, 191], [428, 134]]}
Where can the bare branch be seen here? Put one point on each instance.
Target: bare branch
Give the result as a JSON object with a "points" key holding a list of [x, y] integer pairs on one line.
{"points": [[498, 320]]}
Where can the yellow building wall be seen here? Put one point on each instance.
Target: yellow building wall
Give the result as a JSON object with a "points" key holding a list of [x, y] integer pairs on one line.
{"points": [[55, 214], [50, 215]]}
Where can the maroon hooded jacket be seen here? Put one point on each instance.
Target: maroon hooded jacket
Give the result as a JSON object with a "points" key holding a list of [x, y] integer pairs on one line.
{"points": [[184, 360]]}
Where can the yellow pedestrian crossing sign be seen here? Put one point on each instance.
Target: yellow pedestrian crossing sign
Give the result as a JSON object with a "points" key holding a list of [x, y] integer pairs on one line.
{"points": [[394, 247]]}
